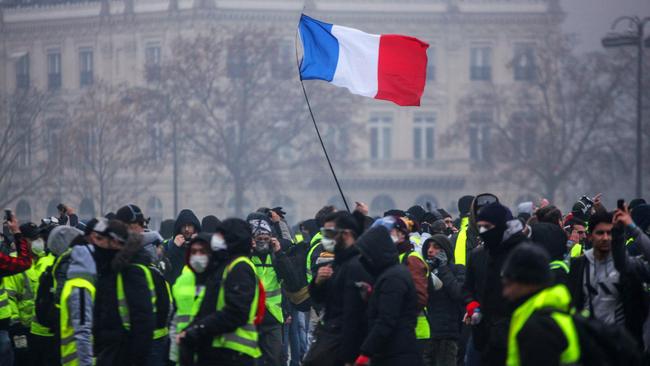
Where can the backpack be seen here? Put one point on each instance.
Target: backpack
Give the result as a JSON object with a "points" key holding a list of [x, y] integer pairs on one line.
{"points": [[605, 345], [46, 304], [297, 289]]}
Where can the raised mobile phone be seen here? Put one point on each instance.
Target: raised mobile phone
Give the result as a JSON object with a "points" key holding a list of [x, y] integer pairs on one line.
{"points": [[620, 204]]}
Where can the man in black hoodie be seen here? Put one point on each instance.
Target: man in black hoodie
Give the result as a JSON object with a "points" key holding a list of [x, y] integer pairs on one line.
{"points": [[343, 327], [500, 233], [187, 227], [392, 308], [124, 319], [228, 336], [444, 307]]}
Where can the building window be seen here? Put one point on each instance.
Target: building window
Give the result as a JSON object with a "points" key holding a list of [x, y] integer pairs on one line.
{"points": [[155, 211], [22, 72], [23, 211], [522, 125], [85, 67], [431, 64], [86, 209], [157, 143], [524, 63], [480, 63], [52, 141], [53, 70], [479, 136], [381, 204], [152, 62], [423, 136], [24, 144], [381, 131]]}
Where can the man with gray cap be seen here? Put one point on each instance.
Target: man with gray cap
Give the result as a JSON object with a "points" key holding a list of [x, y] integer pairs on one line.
{"points": [[272, 266]]}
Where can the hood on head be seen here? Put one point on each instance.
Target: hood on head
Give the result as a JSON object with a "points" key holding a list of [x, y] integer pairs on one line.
{"points": [[210, 223], [641, 216], [237, 234], [82, 263], [552, 238], [376, 246], [443, 242], [60, 238], [186, 217], [513, 227]]}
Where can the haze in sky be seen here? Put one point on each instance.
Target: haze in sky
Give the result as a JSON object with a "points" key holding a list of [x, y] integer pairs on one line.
{"points": [[590, 20]]}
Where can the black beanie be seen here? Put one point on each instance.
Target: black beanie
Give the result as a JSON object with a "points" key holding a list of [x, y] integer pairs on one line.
{"points": [[346, 221], [529, 264], [496, 214], [465, 205], [416, 212], [551, 237], [30, 230], [635, 203], [210, 223], [130, 214]]}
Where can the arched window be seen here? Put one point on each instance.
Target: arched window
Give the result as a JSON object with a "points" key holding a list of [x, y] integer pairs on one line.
{"points": [[427, 199], [23, 211], [86, 209], [155, 212], [381, 204], [51, 208], [288, 205]]}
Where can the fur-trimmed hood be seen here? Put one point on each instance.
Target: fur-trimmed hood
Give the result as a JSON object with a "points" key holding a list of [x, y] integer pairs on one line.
{"points": [[133, 252]]}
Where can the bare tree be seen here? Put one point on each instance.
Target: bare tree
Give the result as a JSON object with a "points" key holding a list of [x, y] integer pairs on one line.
{"points": [[242, 107], [26, 163], [109, 148], [545, 130]]}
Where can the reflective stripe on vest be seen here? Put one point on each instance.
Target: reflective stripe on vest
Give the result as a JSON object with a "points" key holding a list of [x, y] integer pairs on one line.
{"points": [[460, 251], [123, 307], [244, 338], [556, 297], [187, 301], [314, 242], [36, 327], [422, 327], [5, 309], [272, 287], [559, 265], [69, 355]]}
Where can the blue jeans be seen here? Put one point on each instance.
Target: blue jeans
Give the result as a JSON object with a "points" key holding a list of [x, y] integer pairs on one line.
{"points": [[6, 350], [296, 334]]}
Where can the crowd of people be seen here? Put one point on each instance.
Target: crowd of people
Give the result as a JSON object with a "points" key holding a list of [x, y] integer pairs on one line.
{"points": [[414, 287]]}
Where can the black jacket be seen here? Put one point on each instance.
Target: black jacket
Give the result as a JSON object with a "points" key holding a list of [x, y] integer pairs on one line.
{"points": [[114, 345], [344, 307], [392, 308], [239, 292], [483, 284], [175, 254], [445, 307]]}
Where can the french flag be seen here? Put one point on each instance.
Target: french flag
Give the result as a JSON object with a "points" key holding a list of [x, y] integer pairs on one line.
{"points": [[389, 67]]}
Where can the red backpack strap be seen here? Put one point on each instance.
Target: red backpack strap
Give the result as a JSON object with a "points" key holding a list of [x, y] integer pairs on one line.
{"points": [[261, 303]]}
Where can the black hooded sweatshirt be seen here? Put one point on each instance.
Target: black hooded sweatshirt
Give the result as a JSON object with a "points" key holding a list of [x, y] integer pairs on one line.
{"points": [[445, 307], [114, 345], [552, 238], [392, 308], [344, 307], [175, 254]]}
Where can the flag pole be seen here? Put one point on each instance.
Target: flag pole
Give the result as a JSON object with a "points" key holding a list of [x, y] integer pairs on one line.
{"points": [[320, 139]]}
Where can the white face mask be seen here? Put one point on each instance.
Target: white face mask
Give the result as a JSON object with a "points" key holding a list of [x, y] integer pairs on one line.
{"points": [[38, 246], [199, 262], [482, 229], [328, 244], [217, 243], [395, 239]]}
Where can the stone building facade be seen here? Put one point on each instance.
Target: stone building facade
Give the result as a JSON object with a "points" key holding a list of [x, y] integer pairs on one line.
{"points": [[403, 157]]}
